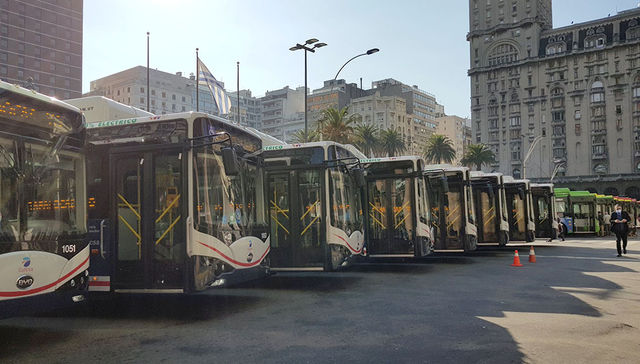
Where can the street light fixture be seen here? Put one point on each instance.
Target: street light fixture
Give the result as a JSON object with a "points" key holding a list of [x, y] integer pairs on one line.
{"points": [[528, 155], [306, 47], [367, 53]]}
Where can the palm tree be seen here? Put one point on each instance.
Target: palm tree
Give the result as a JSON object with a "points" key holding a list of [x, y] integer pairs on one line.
{"points": [[391, 142], [439, 149], [366, 138], [298, 136], [477, 155], [336, 126]]}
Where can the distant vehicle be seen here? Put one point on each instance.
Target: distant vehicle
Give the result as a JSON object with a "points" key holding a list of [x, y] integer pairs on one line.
{"points": [[44, 255], [563, 208], [583, 211], [397, 208], [519, 204], [544, 211], [491, 208], [177, 203], [314, 193], [452, 211]]}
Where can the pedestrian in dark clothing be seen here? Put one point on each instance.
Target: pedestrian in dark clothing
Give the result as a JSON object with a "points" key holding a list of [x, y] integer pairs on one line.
{"points": [[562, 229], [620, 226]]}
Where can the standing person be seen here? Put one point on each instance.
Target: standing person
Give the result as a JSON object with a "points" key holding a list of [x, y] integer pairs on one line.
{"points": [[600, 224], [607, 224], [562, 229], [620, 226]]}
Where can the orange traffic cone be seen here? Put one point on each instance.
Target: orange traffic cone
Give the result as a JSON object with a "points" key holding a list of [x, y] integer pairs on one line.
{"points": [[532, 255], [516, 260]]}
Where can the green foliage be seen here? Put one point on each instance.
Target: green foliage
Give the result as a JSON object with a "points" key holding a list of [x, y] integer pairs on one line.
{"points": [[367, 139], [439, 149], [391, 142], [478, 155], [336, 126]]}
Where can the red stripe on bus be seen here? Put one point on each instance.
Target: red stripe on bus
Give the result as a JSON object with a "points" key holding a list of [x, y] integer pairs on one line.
{"points": [[235, 261], [349, 245], [99, 283], [44, 288]]}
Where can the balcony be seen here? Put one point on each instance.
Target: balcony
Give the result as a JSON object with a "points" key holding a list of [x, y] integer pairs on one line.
{"points": [[599, 132], [599, 156]]}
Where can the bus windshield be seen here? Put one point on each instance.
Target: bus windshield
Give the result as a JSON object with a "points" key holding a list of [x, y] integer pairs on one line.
{"points": [[38, 192]]}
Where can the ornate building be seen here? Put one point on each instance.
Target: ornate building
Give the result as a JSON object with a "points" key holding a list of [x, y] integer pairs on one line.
{"points": [[569, 95]]}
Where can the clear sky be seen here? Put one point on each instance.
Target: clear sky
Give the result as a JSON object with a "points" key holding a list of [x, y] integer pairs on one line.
{"points": [[422, 42]]}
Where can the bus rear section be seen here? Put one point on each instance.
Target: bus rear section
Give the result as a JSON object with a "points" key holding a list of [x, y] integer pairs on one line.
{"points": [[583, 211], [43, 247], [314, 194], [397, 209], [563, 209], [178, 204], [452, 211], [491, 210], [520, 211], [544, 214]]}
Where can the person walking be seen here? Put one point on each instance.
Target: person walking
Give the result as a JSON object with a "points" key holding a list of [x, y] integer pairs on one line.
{"points": [[600, 224], [607, 223], [562, 229], [620, 226]]}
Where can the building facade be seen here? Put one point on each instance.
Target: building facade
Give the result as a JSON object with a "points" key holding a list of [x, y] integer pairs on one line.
{"points": [[281, 111], [335, 94], [570, 95], [385, 112], [41, 45], [455, 128], [250, 109], [421, 107]]}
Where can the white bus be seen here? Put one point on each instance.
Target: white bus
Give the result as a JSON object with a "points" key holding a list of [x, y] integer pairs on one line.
{"points": [[452, 211], [314, 196], [177, 203], [43, 247], [544, 210], [520, 207], [397, 208], [490, 202]]}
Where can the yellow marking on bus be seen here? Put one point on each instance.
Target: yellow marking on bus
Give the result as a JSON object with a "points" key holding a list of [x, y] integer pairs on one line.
{"points": [[453, 221], [377, 221], [279, 210], [280, 224], [489, 211], [402, 208], [175, 201], [401, 221], [452, 212], [309, 209], [133, 231], [490, 219], [129, 205], [168, 229], [376, 208], [308, 226]]}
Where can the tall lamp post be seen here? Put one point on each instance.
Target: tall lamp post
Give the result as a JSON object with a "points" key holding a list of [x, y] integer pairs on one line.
{"points": [[367, 53], [307, 47], [528, 155]]}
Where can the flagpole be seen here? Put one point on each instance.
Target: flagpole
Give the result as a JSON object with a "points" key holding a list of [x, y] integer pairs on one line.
{"points": [[197, 82], [238, 85], [148, 90]]}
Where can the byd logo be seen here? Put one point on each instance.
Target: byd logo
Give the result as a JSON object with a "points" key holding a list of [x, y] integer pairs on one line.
{"points": [[24, 282]]}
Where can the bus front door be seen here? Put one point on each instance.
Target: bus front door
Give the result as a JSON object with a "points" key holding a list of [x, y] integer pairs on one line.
{"points": [[296, 210], [391, 219], [517, 216], [150, 215]]}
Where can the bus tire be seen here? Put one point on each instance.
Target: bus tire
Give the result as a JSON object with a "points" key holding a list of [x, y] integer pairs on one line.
{"points": [[470, 243], [503, 238]]}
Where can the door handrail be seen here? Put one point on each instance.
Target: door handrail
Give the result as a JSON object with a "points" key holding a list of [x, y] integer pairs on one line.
{"points": [[168, 208], [129, 205], [168, 229], [309, 210]]}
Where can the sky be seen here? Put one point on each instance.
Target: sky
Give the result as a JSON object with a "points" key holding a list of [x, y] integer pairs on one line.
{"points": [[422, 42]]}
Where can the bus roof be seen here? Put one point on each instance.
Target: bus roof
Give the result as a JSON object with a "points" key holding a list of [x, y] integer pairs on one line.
{"points": [[445, 167], [324, 144], [511, 180], [100, 108], [391, 159], [36, 95]]}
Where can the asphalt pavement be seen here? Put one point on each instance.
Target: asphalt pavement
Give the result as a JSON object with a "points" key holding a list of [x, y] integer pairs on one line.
{"points": [[577, 303]]}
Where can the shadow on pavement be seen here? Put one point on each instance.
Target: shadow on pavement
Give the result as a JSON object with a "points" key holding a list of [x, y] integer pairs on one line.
{"points": [[19, 339], [312, 282]]}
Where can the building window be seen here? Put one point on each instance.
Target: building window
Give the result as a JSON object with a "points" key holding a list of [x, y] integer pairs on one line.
{"points": [[578, 129], [504, 53]]}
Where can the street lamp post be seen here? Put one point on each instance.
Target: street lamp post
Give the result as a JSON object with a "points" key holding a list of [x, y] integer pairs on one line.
{"points": [[307, 48], [528, 155], [367, 53]]}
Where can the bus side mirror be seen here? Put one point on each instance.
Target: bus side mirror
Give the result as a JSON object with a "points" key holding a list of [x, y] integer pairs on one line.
{"points": [[358, 174], [230, 161]]}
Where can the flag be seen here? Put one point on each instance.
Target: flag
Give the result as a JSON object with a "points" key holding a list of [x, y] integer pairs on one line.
{"points": [[217, 90]]}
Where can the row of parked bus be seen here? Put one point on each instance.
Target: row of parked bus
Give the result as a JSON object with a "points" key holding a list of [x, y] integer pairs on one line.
{"points": [[583, 212], [182, 202]]}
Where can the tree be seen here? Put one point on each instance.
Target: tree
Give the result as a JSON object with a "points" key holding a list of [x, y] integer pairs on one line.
{"points": [[478, 155], [336, 126], [298, 136], [391, 142], [366, 139], [439, 149]]}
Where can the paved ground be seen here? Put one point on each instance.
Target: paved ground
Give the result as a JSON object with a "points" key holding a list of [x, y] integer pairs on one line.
{"points": [[578, 303]]}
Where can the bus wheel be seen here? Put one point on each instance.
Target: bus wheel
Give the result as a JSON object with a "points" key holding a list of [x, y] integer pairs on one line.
{"points": [[470, 243], [503, 238]]}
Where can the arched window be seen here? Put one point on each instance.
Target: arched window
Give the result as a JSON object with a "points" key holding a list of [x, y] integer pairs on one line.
{"points": [[619, 147], [500, 54], [516, 173], [634, 30], [597, 91], [578, 150], [558, 91], [633, 192], [597, 84]]}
